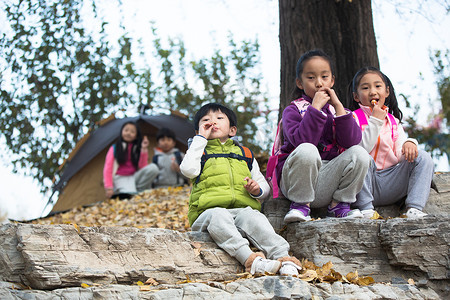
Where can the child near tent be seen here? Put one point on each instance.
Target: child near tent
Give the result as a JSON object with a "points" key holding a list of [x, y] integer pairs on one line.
{"points": [[168, 159], [397, 167], [226, 193], [126, 167], [313, 168]]}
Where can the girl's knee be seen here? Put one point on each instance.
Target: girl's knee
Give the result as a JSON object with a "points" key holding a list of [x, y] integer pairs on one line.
{"points": [[425, 158], [360, 155], [305, 153]]}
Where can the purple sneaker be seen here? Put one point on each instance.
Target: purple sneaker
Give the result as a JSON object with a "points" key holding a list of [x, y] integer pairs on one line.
{"points": [[297, 213], [342, 210]]}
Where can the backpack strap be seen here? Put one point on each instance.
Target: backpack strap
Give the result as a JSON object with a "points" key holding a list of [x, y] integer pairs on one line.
{"points": [[178, 157], [393, 127], [247, 156], [155, 158], [362, 119]]}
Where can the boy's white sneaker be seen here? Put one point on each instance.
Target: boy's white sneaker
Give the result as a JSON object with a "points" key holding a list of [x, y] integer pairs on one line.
{"points": [[414, 213], [368, 213], [262, 266], [289, 268]]}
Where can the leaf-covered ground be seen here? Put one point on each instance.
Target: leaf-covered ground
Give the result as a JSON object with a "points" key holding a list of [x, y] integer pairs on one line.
{"points": [[157, 208]]}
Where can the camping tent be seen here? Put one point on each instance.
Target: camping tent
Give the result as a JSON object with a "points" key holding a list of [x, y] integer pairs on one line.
{"points": [[81, 179]]}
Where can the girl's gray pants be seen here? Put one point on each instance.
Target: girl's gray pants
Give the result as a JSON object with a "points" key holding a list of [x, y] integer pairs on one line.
{"points": [[386, 187], [306, 178]]}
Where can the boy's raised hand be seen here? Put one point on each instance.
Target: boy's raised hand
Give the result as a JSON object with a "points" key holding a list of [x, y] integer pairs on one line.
{"points": [[378, 111], [252, 186], [409, 150], [205, 129]]}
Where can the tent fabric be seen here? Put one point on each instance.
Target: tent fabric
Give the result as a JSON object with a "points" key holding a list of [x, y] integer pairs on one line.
{"points": [[80, 182]]}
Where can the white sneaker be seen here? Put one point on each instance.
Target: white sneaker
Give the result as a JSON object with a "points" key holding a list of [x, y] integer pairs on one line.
{"points": [[414, 213], [368, 213], [289, 268], [354, 214], [262, 265], [294, 215]]}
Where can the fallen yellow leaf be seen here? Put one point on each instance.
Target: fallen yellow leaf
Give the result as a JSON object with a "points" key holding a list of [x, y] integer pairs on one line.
{"points": [[309, 275], [151, 281]]}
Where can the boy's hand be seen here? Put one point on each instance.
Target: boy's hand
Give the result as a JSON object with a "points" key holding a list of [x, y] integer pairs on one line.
{"points": [[252, 186], [145, 143], [335, 102], [205, 129], [174, 166], [378, 111], [409, 150], [321, 97]]}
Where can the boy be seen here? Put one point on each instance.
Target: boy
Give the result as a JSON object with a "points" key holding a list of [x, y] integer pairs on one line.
{"points": [[225, 195], [168, 159]]}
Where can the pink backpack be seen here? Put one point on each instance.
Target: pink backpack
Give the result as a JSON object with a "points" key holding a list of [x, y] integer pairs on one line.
{"points": [[362, 119], [271, 172]]}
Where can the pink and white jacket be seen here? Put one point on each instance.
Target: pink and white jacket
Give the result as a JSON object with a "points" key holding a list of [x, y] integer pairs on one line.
{"points": [[384, 145], [111, 166]]}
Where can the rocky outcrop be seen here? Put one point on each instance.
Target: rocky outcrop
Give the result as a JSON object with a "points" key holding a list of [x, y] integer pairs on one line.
{"points": [[409, 259], [56, 260]]}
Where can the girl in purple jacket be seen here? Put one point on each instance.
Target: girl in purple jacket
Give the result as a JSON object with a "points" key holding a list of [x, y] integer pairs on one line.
{"points": [[320, 163]]}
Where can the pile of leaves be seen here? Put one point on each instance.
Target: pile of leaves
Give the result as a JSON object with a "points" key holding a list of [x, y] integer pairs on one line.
{"points": [[156, 208]]}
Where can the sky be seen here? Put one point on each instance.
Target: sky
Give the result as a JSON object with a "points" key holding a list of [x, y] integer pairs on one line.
{"points": [[404, 42]]}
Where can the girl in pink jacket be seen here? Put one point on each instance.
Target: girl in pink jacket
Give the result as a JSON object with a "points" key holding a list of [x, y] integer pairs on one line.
{"points": [[126, 169], [398, 168]]}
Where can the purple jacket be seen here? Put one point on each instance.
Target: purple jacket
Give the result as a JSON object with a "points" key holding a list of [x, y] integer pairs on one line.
{"points": [[316, 127]]}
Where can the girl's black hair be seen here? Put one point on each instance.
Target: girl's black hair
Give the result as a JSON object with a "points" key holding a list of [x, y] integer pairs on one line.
{"points": [[391, 100], [205, 109], [297, 92], [121, 152]]}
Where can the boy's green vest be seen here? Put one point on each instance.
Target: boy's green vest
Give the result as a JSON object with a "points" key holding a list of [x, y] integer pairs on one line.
{"points": [[221, 182]]}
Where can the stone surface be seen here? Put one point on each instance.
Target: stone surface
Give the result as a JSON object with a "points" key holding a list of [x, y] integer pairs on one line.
{"points": [[48, 257], [383, 249], [267, 287], [53, 261]]}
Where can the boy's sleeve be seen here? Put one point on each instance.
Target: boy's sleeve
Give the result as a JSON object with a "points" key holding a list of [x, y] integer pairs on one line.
{"points": [[259, 178], [191, 164]]}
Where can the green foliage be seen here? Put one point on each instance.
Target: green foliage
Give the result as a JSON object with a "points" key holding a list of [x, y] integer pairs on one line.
{"points": [[62, 72], [436, 137], [227, 79]]}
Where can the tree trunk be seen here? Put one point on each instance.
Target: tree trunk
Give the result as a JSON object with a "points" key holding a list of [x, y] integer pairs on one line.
{"points": [[342, 28]]}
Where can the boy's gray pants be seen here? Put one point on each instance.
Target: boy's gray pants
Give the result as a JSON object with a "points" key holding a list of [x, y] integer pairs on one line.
{"points": [[386, 187], [140, 181], [306, 178], [232, 229]]}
